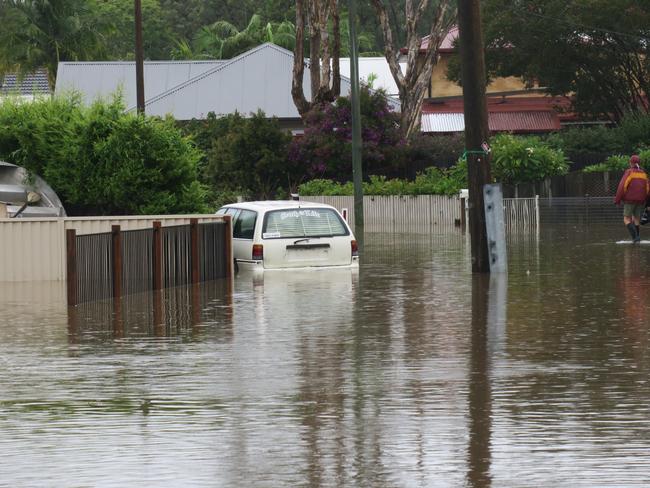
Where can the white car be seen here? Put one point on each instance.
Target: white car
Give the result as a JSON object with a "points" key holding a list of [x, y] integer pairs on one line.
{"points": [[289, 234]]}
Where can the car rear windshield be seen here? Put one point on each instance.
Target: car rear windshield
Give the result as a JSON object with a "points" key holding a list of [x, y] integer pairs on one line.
{"points": [[303, 222]]}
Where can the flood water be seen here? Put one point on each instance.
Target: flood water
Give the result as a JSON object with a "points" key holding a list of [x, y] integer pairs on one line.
{"points": [[411, 372]]}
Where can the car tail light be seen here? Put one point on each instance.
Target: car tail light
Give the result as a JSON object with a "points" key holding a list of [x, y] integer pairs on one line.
{"points": [[258, 252], [355, 248]]}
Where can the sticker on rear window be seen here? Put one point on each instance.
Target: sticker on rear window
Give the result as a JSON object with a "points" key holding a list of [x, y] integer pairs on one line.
{"points": [[299, 213], [270, 235]]}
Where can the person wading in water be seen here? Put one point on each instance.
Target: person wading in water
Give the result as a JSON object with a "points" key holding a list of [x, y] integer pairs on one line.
{"points": [[633, 189]]}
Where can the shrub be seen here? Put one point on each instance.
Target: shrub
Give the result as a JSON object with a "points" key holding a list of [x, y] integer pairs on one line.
{"points": [[249, 155], [325, 148], [579, 142], [618, 163], [635, 131], [101, 161], [525, 159], [433, 181], [612, 163]]}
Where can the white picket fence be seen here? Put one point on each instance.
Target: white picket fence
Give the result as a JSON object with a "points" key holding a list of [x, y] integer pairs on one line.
{"points": [[427, 213]]}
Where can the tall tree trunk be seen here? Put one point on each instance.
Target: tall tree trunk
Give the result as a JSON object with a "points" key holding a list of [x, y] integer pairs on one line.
{"points": [[413, 84], [324, 53]]}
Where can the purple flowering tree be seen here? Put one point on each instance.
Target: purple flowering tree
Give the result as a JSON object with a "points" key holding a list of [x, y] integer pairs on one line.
{"points": [[324, 151]]}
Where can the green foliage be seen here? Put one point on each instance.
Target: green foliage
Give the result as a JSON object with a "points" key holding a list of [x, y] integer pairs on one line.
{"points": [[40, 33], [118, 26], [248, 155], [101, 161], [434, 150], [612, 163], [618, 162], [524, 159], [325, 148], [635, 131], [433, 181], [584, 141], [593, 49]]}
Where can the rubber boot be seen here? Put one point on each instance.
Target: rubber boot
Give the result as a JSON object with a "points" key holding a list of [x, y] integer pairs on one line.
{"points": [[631, 228]]}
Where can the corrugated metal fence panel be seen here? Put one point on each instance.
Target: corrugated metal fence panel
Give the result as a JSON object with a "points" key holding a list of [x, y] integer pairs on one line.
{"points": [[445, 211], [32, 250], [94, 262], [35, 249], [94, 225], [176, 256], [400, 213], [211, 249], [378, 213], [137, 261]]}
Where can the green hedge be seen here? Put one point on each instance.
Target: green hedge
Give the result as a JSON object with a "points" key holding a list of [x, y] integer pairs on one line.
{"points": [[101, 161], [433, 181]]}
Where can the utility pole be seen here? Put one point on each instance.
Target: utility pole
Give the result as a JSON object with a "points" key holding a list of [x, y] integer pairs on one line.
{"points": [[139, 58], [357, 176], [476, 126]]}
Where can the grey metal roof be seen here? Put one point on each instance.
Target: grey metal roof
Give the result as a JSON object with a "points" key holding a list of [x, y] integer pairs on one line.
{"points": [[257, 79], [378, 68], [103, 79], [36, 83]]}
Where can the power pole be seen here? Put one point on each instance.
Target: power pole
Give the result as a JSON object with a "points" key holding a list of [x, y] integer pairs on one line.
{"points": [[139, 58], [476, 126], [357, 175]]}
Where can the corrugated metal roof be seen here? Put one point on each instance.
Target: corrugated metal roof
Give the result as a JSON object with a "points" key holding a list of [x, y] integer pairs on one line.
{"points": [[522, 121], [257, 79], [377, 66], [102, 79], [36, 83], [538, 121], [443, 122]]}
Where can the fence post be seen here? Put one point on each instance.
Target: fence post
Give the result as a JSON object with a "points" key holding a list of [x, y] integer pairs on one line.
{"points": [[194, 249], [537, 215], [116, 238], [71, 265], [228, 246], [157, 255], [463, 219]]}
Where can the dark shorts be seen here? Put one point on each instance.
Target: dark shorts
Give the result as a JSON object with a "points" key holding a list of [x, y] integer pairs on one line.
{"points": [[633, 210]]}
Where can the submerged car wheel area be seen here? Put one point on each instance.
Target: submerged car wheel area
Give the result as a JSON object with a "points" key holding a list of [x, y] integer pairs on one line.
{"points": [[289, 234]]}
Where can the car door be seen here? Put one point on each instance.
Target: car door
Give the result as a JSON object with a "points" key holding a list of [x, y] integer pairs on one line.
{"points": [[243, 230]]}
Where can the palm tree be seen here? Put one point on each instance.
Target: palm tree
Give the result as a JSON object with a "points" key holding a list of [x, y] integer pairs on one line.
{"points": [[280, 33], [41, 33], [222, 40]]}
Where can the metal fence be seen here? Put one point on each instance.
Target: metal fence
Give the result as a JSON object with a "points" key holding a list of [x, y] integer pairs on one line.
{"points": [[427, 213], [106, 265], [579, 210]]}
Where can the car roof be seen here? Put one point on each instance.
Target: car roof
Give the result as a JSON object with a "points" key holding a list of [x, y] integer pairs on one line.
{"points": [[267, 205]]}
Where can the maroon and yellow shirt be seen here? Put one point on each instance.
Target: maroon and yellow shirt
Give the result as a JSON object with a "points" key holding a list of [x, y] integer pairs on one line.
{"points": [[633, 187]]}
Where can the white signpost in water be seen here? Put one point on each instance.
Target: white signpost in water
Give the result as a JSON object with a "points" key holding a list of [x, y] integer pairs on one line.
{"points": [[495, 228]]}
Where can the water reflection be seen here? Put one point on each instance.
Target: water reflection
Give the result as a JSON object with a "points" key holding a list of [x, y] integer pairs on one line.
{"points": [[171, 312], [409, 372]]}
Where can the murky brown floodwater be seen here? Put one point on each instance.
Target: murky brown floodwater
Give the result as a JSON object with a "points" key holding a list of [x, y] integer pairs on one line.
{"points": [[409, 373]]}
